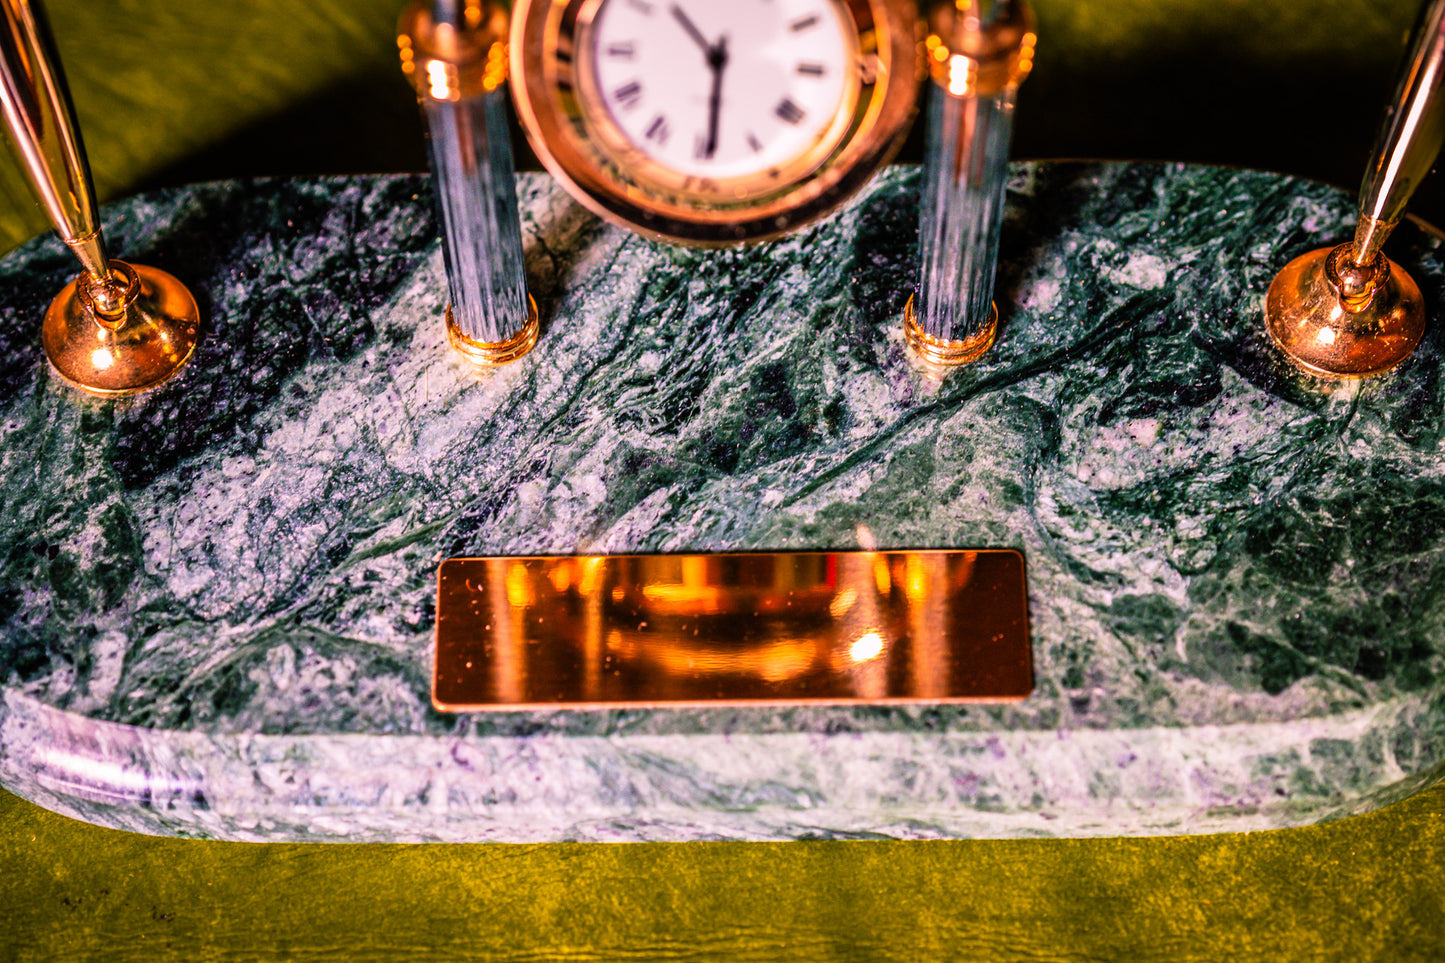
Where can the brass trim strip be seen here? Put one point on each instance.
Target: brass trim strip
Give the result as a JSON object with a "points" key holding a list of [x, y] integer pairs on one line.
{"points": [[948, 353], [490, 354]]}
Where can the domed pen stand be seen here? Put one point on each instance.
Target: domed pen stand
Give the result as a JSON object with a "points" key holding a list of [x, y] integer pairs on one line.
{"points": [[1348, 311], [117, 328]]}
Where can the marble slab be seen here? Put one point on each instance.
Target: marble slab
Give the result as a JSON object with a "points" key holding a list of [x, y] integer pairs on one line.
{"points": [[216, 608]]}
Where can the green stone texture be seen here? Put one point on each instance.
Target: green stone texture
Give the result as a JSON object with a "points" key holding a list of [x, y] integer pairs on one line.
{"points": [[1233, 569]]}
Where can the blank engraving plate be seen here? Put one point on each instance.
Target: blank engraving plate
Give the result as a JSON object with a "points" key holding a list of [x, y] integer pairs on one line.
{"points": [[781, 627]]}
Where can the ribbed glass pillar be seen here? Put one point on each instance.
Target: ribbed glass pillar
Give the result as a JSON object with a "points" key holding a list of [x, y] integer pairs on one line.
{"points": [[472, 170], [978, 52], [455, 54], [965, 169]]}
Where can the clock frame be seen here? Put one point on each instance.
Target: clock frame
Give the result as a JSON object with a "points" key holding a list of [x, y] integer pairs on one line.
{"points": [[562, 108]]}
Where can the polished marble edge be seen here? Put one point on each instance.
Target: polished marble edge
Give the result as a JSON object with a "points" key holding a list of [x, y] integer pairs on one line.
{"points": [[1157, 781]]}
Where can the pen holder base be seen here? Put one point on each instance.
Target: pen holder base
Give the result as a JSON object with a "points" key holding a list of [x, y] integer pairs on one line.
{"points": [[149, 338], [1345, 335]]}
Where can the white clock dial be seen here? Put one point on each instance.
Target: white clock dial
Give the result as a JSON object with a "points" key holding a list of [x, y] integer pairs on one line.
{"points": [[722, 89]]}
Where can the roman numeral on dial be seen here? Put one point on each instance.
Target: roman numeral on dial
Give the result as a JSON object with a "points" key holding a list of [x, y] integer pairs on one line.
{"points": [[629, 95], [789, 111]]}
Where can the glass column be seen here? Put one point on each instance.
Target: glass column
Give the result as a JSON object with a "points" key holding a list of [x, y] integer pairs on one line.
{"points": [[455, 54], [978, 52]]}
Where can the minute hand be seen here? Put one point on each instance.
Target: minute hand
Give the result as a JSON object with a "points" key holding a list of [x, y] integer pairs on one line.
{"points": [[691, 28]]}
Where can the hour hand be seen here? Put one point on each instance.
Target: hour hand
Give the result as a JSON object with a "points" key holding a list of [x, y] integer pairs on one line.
{"points": [[691, 28]]}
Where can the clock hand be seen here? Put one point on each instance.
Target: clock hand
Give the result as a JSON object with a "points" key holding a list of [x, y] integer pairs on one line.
{"points": [[717, 59], [692, 31]]}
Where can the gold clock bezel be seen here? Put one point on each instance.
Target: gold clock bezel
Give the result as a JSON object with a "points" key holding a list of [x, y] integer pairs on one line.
{"points": [[559, 105]]}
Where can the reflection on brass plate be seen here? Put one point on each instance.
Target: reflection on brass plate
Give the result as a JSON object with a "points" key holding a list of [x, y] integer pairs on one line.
{"points": [[777, 627]]}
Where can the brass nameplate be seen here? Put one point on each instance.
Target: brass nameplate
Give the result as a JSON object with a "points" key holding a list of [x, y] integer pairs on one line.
{"points": [[777, 627]]}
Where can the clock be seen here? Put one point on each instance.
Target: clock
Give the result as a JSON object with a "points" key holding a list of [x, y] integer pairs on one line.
{"points": [[709, 122]]}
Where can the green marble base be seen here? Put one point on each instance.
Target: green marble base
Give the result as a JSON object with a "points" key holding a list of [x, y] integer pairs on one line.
{"points": [[216, 613]]}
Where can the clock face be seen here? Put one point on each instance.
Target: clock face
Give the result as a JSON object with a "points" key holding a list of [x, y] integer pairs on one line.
{"points": [[725, 91], [714, 121]]}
